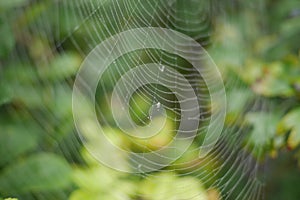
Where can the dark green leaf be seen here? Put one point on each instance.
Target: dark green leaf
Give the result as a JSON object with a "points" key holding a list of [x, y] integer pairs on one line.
{"points": [[40, 172]]}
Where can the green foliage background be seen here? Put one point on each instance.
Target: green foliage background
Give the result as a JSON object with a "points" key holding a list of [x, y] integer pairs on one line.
{"points": [[255, 44]]}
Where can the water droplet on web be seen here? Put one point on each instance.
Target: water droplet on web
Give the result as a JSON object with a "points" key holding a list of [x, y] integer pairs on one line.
{"points": [[162, 68], [158, 105]]}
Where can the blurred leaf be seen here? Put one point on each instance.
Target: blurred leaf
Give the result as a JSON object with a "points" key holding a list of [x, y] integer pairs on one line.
{"points": [[63, 66], [12, 3], [7, 40], [271, 86], [264, 127], [59, 101], [100, 183], [31, 97], [251, 72], [159, 140], [16, 140], [5, 95], [290, 27], [274, 81], [19, 83], [97, 183], [167, 186], [40, 172], [291, 122], [19, 73], [213, 194], [238, 100], [229, 49]]}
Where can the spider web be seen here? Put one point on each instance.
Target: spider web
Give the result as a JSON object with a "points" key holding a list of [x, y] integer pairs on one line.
{"points": [[84, 24]]}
